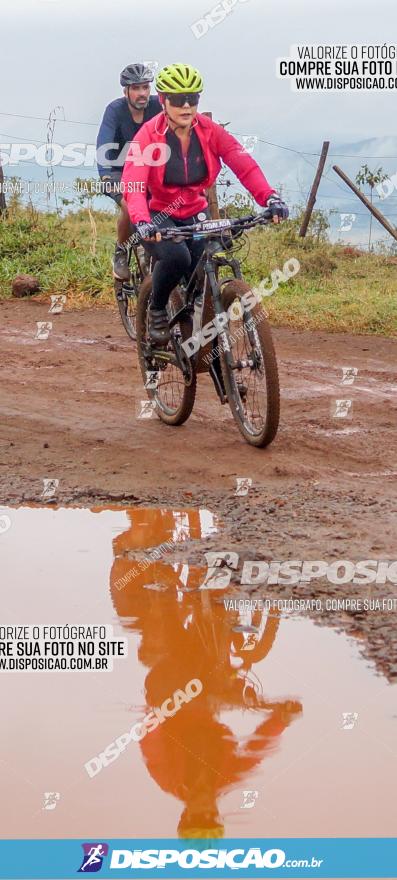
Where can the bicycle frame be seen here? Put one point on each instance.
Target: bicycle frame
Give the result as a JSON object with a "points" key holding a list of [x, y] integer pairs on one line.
{"points": [[200, 315], [139, 260], [206, 270]]}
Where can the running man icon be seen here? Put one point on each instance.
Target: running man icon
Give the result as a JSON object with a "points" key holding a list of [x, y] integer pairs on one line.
{"points": [[94, 854]]}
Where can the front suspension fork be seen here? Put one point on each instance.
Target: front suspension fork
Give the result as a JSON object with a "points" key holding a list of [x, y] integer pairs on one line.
{"points": [[223, 334]]}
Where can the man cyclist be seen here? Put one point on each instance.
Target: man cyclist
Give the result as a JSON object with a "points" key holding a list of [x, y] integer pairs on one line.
{"points": [[121, 121], [197, 145]]}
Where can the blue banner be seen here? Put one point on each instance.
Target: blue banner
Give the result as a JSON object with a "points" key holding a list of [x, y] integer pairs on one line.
{"points": [[168, 858]]}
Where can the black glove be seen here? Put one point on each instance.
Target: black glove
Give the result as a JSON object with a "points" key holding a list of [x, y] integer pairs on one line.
{"points": [[145, 230], [277, 207]]}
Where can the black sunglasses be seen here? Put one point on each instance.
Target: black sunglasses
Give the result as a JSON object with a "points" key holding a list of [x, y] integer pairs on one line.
{"points": [[179, 100]]}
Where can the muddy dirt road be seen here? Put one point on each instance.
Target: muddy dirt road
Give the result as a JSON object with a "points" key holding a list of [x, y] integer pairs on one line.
{"points": [[325, 489]]}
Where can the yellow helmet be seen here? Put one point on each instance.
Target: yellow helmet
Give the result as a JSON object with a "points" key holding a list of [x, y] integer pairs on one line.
{"points": [[179, 78], [196, 828], [202, 833]]}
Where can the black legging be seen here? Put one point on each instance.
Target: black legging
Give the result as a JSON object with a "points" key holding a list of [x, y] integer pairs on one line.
{"points": [[173, 259]]}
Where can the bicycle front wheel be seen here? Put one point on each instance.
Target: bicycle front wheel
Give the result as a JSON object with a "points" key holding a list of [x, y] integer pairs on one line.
{"points": [[249, 370]]}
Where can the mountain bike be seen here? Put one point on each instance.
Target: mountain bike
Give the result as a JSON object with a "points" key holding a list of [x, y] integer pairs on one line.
{"points": [[127, 291], [217, 325]]}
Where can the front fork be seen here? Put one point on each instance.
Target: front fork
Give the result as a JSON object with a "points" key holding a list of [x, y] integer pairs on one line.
{"points": [[223, 332]]}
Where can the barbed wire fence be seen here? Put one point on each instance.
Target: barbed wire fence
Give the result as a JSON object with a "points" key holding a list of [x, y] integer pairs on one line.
{"points": [[52, 118], [51, 204]]}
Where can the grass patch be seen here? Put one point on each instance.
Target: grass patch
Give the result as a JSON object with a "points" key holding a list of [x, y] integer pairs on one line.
{"points": [[338, 288], [335, 290]]}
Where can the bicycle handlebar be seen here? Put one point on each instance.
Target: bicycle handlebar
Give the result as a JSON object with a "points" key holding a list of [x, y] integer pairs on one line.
{"points": [[212, 228]]}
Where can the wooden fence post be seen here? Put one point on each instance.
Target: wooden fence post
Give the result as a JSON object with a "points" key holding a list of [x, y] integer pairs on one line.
{"points": [[375, 211], [313, 191], [3, 205], [212, 193]]}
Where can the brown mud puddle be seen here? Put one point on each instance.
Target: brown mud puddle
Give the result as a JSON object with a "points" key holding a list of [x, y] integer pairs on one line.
{"points": [[292, 732]]}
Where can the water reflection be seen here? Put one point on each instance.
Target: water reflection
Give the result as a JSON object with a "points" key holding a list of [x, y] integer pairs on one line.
{"points": [[186, 633]]}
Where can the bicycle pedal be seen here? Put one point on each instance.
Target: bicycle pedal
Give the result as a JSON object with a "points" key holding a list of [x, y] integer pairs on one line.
{"points": [[245, 628]]}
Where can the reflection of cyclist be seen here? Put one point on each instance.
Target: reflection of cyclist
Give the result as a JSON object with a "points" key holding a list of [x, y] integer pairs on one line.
{"points": [[197, 757], [194, 755], [197, 145], [121, 121], [151, 527]]}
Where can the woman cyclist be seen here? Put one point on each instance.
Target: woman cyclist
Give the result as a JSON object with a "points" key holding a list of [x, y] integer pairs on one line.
{"points": [[196, 146]]}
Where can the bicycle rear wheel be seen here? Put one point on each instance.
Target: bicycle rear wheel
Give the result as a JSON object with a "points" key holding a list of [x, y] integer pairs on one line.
{"points": [[252, 386], [174, 394], [126, 297]]}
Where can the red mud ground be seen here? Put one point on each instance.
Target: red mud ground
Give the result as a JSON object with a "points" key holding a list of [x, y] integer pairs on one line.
{"points": [[325, 489]]}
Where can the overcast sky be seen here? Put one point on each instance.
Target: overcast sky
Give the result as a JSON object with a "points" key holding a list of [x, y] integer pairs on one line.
{"points": [[70, 53]]}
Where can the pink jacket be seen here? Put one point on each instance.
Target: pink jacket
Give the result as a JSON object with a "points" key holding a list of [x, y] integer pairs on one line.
{"points": [[217, 144]]}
